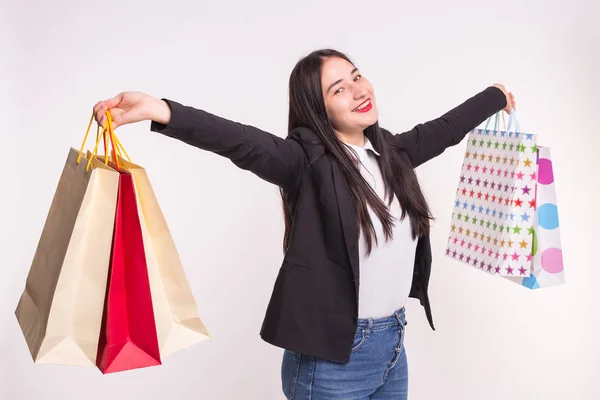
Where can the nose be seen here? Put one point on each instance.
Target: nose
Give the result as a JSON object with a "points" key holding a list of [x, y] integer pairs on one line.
{"points": [[359, 91]]}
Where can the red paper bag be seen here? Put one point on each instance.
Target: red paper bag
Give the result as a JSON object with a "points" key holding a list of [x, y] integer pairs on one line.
{"points": [[128, 338]]}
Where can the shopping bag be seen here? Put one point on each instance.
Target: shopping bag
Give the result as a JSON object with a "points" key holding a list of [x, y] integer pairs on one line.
{"points": [[60, 309], [546, 261], [177, 321], [493, 217], [128, 337]]}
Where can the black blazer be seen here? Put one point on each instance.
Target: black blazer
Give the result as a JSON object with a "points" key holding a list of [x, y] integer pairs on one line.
{"points": [[313, 308]]}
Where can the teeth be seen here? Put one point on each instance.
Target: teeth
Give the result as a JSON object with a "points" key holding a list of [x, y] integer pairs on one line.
{"points": [[363, 106]]}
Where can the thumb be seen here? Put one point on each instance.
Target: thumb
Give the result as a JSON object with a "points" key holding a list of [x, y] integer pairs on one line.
{"points": [[112, 103]]}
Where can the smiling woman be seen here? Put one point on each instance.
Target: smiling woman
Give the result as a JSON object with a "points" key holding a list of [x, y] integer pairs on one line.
{"points": [[329, 106], [351, 257], [349, 100]]}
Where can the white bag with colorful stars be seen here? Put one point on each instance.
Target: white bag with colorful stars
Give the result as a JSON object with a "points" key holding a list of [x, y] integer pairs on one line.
{"points": [[498, 225]]}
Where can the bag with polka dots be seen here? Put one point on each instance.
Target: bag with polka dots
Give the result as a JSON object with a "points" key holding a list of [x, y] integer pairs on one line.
{"points": [[505, 217], [546, 267]]}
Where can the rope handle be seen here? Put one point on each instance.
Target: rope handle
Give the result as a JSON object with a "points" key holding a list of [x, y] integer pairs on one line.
{"points": [[117, 147], [512, 119]]}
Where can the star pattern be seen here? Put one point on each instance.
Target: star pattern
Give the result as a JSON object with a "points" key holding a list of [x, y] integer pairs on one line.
{"points": [[492, 223]]}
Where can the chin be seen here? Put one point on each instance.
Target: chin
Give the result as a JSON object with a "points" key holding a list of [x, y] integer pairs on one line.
{"points": [[372, 120]]}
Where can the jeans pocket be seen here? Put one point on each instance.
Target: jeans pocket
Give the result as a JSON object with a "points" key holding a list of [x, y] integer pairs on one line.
{"points": [[359, 339]]}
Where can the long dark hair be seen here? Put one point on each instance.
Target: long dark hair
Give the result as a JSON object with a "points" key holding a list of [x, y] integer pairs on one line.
{"points": [[307, 108]]}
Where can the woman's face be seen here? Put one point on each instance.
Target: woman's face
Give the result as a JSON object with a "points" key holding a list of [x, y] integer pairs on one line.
{"points": [[349, 97]]}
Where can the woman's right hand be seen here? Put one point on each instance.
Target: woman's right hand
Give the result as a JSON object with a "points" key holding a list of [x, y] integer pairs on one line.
{"points": [[129, 107]]}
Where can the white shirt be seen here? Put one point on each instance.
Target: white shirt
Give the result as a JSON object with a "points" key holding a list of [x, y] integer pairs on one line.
{"points": [[386, 274]]}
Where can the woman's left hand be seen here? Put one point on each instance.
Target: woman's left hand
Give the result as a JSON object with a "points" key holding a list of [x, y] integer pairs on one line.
{"points": [[510, 99]]}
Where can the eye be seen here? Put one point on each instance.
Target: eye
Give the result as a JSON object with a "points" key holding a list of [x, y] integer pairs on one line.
{"points": [[357, 77]]}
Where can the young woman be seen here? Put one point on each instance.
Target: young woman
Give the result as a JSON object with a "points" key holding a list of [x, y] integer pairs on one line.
{"points": [[356, 242]]}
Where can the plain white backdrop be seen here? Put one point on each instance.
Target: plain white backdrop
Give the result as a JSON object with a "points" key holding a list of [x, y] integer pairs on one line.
{"points": [[494, 339]]}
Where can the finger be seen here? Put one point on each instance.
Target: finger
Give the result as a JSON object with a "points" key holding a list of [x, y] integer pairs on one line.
{"points": [[99, 114], [102, 121], [112, 103], [115, 120], [103, 105], [99, 110]]}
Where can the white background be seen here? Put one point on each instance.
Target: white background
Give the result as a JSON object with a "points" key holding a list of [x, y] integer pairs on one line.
{"points": [[494, 339]]}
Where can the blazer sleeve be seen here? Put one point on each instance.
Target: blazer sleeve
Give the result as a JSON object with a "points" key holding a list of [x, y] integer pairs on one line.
{"points": [[270, 157], [428, 140]]}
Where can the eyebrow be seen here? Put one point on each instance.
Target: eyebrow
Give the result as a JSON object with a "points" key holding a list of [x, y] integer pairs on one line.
{"points": [[339, 80]]}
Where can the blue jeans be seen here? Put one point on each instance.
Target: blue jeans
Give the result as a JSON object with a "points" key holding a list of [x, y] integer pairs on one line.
{"points": [[377, 368]]}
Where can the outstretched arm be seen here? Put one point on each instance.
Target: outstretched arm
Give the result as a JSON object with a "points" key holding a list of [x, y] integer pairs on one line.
{"points": [[272, 158], [428, 140]]}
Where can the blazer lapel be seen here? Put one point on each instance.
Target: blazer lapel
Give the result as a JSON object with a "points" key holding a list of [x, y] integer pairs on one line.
{"points": [[348, 219]]}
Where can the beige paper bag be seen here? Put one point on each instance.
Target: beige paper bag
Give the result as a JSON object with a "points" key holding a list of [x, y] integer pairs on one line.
{"points": [[175, 310], [60, 310]]}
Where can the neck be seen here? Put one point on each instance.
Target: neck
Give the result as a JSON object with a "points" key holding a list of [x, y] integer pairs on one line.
{"points": [[356, 139]]}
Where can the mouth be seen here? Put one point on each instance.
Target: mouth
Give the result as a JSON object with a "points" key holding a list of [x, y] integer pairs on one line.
{"points": [[364, 107]]}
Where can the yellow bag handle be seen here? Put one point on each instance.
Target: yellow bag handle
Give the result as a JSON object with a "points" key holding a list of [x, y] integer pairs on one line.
{"points": [[117, 150], [85, 138]]}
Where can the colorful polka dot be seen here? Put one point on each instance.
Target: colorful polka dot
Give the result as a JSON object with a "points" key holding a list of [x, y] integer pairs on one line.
{"points": [[552, 261], [548, 216], [545, 174], [531, 282]]}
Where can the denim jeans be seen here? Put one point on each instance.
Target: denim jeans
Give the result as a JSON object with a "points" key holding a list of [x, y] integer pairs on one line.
{"points": [[377, 368]]}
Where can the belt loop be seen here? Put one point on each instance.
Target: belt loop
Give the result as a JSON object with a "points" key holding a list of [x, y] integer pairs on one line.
{"points": [[402, 322], [400, 317], [369, 327]]}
